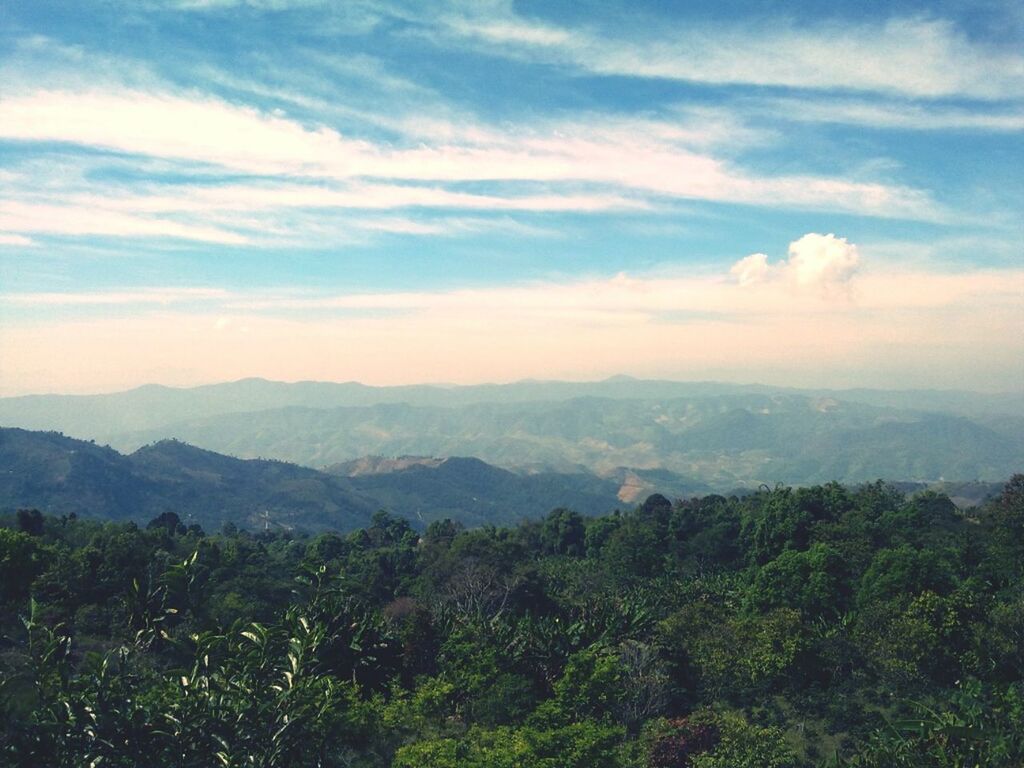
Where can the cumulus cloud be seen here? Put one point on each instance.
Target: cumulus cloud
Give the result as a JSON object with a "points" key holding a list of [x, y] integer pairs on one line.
{"points": [[751, 269], [822, 260], [826, 262]]}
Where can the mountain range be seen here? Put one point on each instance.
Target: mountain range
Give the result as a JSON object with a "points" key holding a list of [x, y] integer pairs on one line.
{"points": [[701, 436]]}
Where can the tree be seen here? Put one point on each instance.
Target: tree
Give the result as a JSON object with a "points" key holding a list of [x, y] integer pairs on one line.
{"points": [[744, 745], [169, 522], [21, 561], [643, 684], [811, 581], [563, 533], [30, 521], [904, 570]]}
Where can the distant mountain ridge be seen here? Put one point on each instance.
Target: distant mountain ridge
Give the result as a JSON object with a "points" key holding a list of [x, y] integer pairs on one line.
{"points": [[154, 405], [718, 443]]}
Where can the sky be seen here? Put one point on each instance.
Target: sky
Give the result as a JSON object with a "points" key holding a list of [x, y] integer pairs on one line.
{"points": [[800, 193]]}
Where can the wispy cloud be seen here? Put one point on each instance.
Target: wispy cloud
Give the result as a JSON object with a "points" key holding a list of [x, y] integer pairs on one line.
{"points": [[197, 128], [900, 115], [645, 156], [357, 196], [914, 56], [321, 152], [139, 296], [63, 219]]}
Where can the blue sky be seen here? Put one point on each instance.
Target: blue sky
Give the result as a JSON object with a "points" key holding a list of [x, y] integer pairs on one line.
{"points": [[801, 193]]}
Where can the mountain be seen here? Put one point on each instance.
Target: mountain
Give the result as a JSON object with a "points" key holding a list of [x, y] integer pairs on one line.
{"points": [[62, 475], [712, 442], [153, 406], [708, 436]]}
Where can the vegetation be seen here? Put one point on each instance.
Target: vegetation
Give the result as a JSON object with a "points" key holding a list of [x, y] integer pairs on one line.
{"points": [[825, 626], [64, 475]]}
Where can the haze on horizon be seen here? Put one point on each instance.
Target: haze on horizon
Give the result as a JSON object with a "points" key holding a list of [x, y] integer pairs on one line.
{"points": [[197, 191]]}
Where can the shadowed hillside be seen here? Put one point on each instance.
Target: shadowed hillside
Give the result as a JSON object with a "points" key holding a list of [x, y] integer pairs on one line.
{"points": [[61, 476]]}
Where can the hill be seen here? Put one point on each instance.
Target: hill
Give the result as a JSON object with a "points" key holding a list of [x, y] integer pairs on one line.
{"points": [[61, 475], [477, 493]]}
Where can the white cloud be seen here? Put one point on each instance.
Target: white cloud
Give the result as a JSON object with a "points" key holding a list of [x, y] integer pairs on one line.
{"points": [[65, 219], [825, 262], [815, 261], [905, 325], [357, 196], [652, 158], [198, 128], [822, 260], [751, 269]]}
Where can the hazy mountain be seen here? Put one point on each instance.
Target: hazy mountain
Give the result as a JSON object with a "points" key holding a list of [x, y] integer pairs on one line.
{"points": [[102, 417], [716, 442], [708, 436], [61, 475]]}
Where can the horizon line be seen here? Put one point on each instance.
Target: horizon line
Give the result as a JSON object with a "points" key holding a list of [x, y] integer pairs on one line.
{"points": [[440, 385]]}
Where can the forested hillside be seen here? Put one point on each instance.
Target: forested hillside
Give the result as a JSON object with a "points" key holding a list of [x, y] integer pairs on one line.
{"points": [[66, 476], [825, 626]]}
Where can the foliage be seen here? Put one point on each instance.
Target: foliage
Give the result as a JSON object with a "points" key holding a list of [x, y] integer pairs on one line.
{"points": [[790, 628]]}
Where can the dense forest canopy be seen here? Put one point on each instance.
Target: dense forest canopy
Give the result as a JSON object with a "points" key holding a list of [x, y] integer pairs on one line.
{"points": [[827, 625]]}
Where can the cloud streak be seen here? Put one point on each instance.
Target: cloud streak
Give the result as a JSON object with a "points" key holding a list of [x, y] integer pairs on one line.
{"points": [[74, 220], [889, 114], [644, 157], [139, 296], [912, 56]]}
